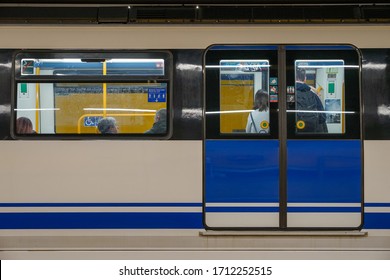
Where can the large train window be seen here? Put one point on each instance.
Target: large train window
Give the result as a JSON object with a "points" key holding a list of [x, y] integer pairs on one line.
{"points": [[92, 94]]}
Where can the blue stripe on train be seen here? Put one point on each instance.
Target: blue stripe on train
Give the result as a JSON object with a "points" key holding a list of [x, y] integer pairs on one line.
{"points": [[377, 204], [103, 204], [290, 209], [324, 209], [376, 221], [101, 221], [319, 47], [132, 221]]}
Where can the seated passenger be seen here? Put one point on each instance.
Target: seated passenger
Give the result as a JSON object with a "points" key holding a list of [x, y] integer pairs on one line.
{"points": [[258, 120], [24, 126], [107, 126], [160, 122]]}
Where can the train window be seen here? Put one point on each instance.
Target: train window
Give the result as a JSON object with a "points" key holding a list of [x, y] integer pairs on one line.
{"points": [[322, 87], [93, 66], [241, 92], [319, 89], [91, 95], [244, 96], [77, 108]]}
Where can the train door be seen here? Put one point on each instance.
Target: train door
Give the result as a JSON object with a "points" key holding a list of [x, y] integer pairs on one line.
{"points": [[282, 145]]}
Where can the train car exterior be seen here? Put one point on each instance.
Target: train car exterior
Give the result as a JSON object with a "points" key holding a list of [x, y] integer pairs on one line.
{"points": [[203, 183]]}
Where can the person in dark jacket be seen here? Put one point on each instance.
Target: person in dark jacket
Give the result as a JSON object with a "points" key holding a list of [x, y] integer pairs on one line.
{"points": [[309, 103], [160, 123]]}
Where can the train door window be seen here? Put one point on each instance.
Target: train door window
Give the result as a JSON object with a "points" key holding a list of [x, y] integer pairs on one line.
{"points": [[244, 96], [244, 99], [92, 93], [320, 96], [322, 87]]}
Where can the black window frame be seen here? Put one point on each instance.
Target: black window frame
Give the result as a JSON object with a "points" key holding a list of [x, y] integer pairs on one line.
{"points": [[167, 78], [350, 55], [213, 57]]}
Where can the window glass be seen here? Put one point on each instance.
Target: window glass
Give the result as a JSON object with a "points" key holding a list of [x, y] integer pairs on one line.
{"points": [[244, 96], [77, 108], [320, 103], [241, 92], [323, 92], [74, 96], [92, 66]]}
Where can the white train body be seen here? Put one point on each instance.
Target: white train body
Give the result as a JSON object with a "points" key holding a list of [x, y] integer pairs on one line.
{"points": [[62, 193]]}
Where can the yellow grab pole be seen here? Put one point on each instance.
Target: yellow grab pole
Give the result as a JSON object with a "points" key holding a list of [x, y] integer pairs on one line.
{"points": [[37, 97], [104, 90]]}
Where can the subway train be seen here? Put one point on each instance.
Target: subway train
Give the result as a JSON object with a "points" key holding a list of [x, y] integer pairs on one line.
{"points": [[204, 183]]}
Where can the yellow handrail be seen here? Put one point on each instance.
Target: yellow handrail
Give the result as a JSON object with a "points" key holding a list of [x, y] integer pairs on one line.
{"points": [[111, 115], [104, 90], [37, 98]]}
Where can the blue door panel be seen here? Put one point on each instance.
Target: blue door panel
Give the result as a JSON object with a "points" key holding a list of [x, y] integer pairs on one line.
{"points": [[242, 171], [324, 171]]}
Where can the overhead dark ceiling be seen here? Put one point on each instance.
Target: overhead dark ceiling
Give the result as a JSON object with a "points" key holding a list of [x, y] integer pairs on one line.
{"points": [[193, 12], [197, 2]]}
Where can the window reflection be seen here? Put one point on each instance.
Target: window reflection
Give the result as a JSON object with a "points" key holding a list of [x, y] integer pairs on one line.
{"points": [[319, 89], [77, 108], [244, 93]]}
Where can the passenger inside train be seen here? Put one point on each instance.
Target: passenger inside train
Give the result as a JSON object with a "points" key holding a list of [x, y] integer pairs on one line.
{"points": [[309, 102], [24, 126], [258, 120], [107, 126], [160, 123]]}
